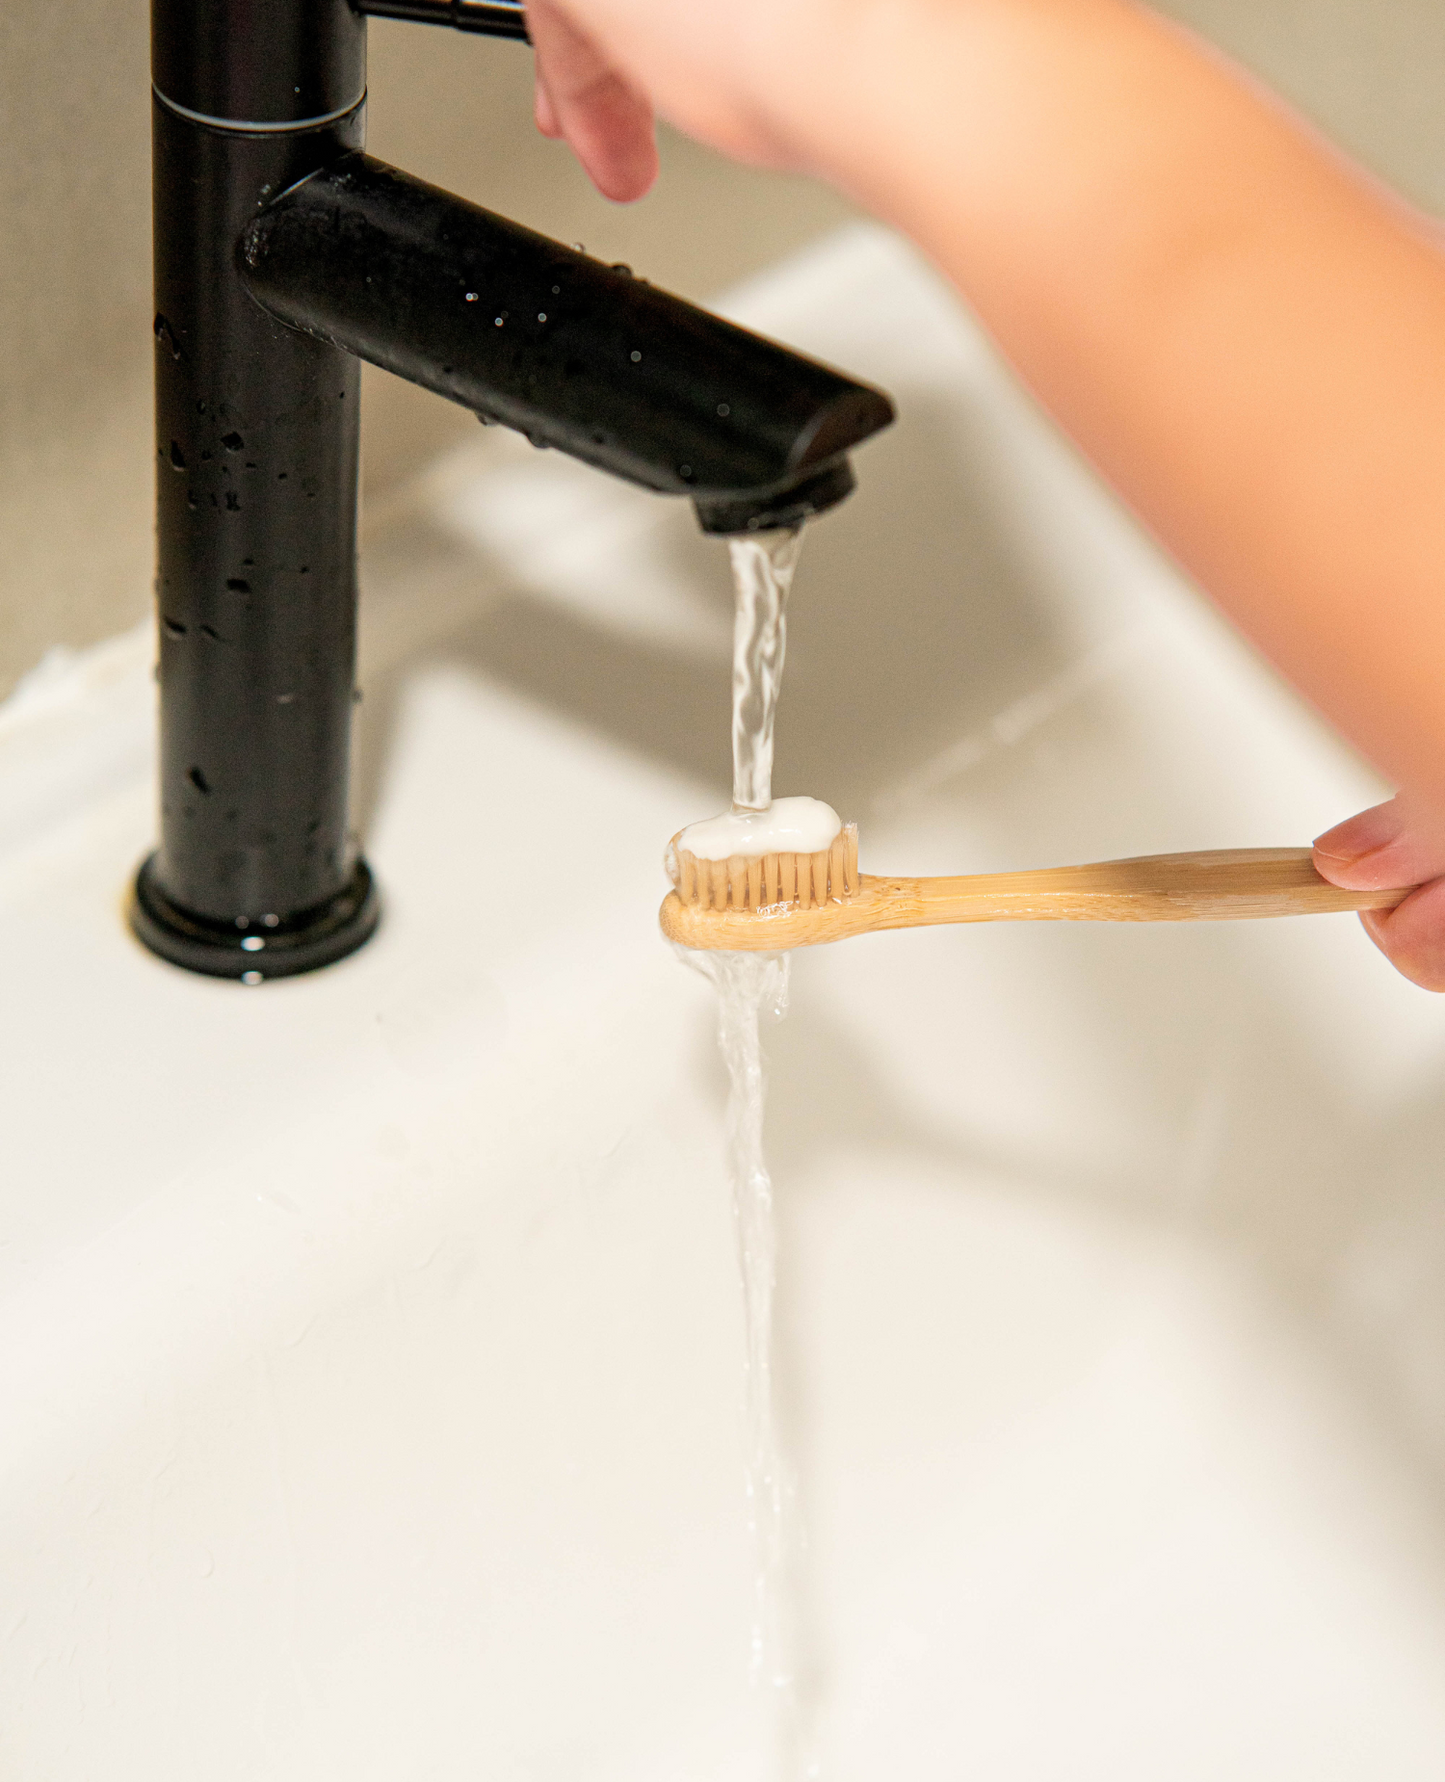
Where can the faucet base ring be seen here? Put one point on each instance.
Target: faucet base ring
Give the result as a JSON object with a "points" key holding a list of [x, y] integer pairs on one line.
{"points": [[257, 951]]}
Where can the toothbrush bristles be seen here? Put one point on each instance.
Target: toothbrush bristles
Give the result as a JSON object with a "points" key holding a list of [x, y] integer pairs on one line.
{"points": [[772, 881]]}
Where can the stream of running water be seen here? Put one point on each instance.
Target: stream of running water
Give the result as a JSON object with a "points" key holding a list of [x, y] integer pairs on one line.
{"points": [[749, 987], [763, 566]]}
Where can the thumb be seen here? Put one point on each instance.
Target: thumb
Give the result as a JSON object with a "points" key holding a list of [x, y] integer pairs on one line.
{"points": [[1392, 844]]}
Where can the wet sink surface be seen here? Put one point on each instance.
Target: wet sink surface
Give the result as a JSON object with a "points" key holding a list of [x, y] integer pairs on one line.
{"points": [[370, 1344]]}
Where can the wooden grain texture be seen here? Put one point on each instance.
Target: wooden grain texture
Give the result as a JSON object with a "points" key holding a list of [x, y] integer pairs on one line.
{"points": [[1229, 885]]}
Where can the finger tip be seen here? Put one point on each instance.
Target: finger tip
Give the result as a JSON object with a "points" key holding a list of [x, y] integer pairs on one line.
{"points": [[619, 189], [623, 167], [1352, 872], [1339, 847], [1364, 833], [609, 127], [627, 182]]}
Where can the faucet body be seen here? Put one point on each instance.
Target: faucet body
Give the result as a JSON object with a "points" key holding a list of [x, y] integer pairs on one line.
{"points": [[283, 255]]}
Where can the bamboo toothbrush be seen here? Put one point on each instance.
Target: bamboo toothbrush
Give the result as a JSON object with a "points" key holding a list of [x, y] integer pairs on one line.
{"points": [[801, 900]]}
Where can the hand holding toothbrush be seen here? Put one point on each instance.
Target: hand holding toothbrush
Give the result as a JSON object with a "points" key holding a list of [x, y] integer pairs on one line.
{"points": [[1245, 333]]}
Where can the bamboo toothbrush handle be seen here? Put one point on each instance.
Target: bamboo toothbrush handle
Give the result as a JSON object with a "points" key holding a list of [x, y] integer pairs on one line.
{"points": [[1226, 885], [1229, 885]]}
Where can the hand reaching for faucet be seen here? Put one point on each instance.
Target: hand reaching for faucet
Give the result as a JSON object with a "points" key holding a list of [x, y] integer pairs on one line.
{"points": [[580, 96], [1244, 333], [603, 65]]}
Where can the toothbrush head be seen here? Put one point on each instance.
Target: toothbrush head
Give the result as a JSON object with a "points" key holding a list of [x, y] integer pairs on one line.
{"points": [[760, 903]]}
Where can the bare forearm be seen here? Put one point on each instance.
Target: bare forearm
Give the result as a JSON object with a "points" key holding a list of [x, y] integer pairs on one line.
{"points": [[1245, 335]]}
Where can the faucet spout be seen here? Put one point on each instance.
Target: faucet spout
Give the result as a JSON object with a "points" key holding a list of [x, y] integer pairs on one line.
{"points": [[573, 353]]}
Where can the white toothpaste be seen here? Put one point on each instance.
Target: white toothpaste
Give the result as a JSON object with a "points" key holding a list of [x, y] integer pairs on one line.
{"points": [[788, 826]]}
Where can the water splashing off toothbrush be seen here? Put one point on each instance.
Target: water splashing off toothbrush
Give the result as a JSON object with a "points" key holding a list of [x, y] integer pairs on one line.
{"points": [[751, 986]]}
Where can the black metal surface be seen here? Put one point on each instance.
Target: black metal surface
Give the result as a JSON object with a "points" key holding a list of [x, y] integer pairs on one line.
{"points": [[256, 467], [576, 354], [259, 61], [489, 18], [727, 515], [282, 948]]}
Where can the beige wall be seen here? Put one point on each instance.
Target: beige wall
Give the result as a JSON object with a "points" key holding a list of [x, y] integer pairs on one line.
{"points": [[74, 324], [75, 547]]}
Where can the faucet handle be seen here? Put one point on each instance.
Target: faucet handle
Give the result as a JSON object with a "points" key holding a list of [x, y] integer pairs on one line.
{"points": [[489, 18]]}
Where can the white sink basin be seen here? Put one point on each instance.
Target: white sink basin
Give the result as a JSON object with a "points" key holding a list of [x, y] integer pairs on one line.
{"points": [[370, 1391]]}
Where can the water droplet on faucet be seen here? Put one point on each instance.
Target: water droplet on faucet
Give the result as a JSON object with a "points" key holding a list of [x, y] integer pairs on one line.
{"points": [[166, 336]]}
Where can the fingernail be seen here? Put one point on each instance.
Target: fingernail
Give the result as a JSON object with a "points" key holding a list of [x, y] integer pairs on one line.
{"points": [[1364, 834]]}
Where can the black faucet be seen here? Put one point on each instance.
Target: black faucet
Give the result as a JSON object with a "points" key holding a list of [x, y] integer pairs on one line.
{"points": [[283, 256]]}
